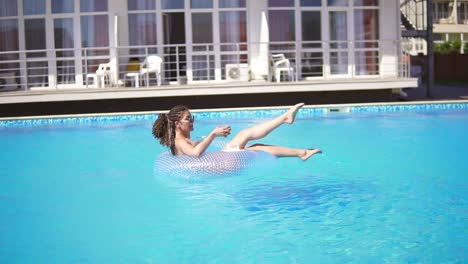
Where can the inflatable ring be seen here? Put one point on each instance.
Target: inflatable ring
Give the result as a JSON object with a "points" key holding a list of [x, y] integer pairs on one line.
{"points": [[209, 164]]}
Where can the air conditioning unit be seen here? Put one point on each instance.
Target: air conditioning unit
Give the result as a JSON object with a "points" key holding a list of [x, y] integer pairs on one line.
{"points": [[237, 72], [8, 82]]}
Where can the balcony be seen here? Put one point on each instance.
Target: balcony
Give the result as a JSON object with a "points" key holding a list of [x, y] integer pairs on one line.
{"points": [[229, 68]]}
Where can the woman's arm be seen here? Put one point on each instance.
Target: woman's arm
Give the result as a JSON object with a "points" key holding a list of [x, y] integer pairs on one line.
{"points": [[197, 149]]}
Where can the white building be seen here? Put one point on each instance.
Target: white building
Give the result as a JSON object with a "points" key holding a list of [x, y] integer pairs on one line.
{"points": [[449, 17], [329, 44], [450, 20]]}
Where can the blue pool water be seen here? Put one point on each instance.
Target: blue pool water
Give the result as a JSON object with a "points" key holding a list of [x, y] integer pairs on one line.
{"points": [[390, 187]]}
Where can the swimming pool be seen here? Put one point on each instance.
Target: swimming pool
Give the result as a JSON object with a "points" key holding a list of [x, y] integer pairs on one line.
{"points": [[390, 187]]}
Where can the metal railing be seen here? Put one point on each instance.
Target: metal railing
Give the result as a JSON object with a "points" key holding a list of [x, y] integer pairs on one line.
{"points": [[415, 12], [200, 64]]}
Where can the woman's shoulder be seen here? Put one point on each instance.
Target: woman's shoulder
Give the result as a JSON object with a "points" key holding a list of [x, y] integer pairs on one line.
{"points": [[182, 140]]}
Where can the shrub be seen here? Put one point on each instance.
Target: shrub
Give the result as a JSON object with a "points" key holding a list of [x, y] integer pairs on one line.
{"points": [[456, 46], [449, 47], [443, 48]]}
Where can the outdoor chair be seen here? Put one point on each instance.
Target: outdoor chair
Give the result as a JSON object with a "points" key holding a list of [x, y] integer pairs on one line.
{"points": [[105, 74], [281, 65], [152, 64]]}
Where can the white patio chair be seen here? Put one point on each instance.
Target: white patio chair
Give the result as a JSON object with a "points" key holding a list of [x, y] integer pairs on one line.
{"points": [[281, 65], [152, 64], [102, 75]]}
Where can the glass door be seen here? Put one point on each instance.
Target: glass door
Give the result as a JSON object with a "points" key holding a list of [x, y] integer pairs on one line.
{"points": [[338, 44], [203, 64], [175, 62], [35, 42], [64, 53], [311, 52], [64, 42]]}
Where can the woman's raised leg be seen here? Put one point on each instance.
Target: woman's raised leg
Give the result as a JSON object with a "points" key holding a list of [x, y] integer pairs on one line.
{"points": [[280, 151], [263, 129]]}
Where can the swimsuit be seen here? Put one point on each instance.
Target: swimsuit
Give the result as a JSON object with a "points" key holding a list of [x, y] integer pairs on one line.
{"points": [[232, 148]]}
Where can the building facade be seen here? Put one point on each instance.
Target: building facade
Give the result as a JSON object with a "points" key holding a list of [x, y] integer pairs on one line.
{"points": [[60, 44], [450, 22]]}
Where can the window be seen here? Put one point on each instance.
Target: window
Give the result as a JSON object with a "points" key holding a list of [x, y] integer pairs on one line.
{"points": [[337, 2], [93, 5], [8, 38], [312, 56], [281, 25], [63, 6], [311, 26], [35, 37], [440, 12], [63, 39], [311, 2], [143, 29], [232, 29], [366, 27], [281, 3], [338, 42], [201, 3], [34, 33], [231, 3], [172, 4], [202, 32], [63, 36], [141, 5], [94, 31], [366, 35], [366, 3], [463, 13], [202, 28], [34, 7], [8, 8]]}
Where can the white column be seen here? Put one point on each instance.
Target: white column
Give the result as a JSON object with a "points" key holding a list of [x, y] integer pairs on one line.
{"points": [[50, 46], [351, 43], [79, 63], [188, 40], [325, 39], [390, 36], [216, 41], [298, 28], [117, 10], [22, 46]]}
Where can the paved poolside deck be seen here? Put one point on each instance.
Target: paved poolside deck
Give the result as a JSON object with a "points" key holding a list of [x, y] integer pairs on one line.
{"points": [[439, 92], [253, 87]]}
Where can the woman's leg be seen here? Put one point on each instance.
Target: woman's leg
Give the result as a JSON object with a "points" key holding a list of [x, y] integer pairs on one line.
{"points": [[280, 151], [263, 129]]}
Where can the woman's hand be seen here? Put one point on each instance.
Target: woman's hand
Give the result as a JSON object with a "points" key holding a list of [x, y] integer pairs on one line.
{"points": [[197, 149], [223, 131]]}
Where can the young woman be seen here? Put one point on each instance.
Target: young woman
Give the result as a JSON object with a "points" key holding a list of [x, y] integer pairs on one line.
{"points": [[173, 130]]}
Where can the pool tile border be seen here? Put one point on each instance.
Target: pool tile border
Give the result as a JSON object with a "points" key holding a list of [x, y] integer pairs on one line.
{"points": [[236, 113]]}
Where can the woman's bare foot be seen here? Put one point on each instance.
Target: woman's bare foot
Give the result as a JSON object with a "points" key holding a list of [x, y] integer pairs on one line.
{"points": [[291, 114], [309, 152]]}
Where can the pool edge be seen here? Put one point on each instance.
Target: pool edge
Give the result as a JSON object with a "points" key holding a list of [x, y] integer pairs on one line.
{"points": [[324, 106]]}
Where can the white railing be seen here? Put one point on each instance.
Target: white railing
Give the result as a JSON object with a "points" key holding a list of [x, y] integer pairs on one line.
{"points": [[200, 64]]}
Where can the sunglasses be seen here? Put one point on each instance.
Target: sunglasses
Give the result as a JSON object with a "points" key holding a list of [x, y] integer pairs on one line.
{"points": [[191, 119]]}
